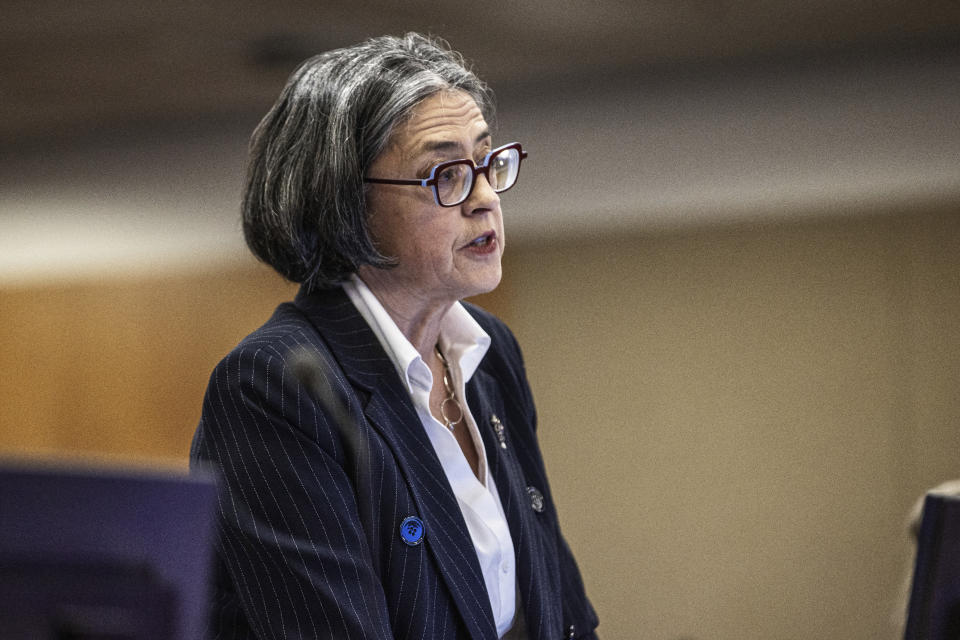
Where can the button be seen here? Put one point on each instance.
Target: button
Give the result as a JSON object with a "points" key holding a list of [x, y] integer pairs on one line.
{"points": [[412, 530], [505, 568], [572, 632], [536, 499]]}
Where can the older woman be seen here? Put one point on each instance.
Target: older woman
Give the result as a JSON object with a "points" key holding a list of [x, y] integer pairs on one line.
{"points": [[415, 504]]}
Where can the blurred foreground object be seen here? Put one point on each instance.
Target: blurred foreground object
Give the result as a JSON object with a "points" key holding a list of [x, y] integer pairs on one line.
{"points": [[103, 552]]}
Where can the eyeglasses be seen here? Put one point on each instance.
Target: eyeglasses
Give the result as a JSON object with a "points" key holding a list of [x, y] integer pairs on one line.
{"points": [[452, 182]]}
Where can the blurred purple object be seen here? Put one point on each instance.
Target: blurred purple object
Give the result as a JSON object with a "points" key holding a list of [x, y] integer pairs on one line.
{"points": [[104, 553]]}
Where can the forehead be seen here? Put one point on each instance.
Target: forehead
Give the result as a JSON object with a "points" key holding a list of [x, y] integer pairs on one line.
{"points": [[446, 120]]}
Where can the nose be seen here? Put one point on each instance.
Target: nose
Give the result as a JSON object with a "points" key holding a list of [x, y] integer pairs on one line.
{"points": [[482, 198]]}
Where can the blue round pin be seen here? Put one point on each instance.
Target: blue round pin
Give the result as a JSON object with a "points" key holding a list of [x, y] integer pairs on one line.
{"points": [[412, 530]]}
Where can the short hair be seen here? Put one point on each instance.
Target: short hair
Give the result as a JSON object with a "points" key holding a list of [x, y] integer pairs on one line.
{"points": [[304, 205]]}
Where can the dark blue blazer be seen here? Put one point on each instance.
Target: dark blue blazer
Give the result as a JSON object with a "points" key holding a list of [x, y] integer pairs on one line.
{"points": [[310, 543]]}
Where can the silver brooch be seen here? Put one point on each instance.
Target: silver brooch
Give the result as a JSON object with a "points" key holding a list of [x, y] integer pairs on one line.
{"points": [[536, 499], [498, 427]]}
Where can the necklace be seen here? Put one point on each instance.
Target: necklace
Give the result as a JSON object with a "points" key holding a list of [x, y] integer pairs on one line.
{"points": [[450, 403]]}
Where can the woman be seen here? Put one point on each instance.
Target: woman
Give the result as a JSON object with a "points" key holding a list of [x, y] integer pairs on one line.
{"points": [[412, 503]]}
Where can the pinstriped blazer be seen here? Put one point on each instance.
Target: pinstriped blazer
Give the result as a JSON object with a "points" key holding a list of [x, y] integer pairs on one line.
{"points": [[309, 542]]}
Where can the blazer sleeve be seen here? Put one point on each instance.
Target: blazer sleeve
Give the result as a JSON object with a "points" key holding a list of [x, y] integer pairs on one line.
{"points": [[290, 539]]}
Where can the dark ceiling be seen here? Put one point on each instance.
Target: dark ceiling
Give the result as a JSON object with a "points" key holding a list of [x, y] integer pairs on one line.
{"points": [[74, 66]]}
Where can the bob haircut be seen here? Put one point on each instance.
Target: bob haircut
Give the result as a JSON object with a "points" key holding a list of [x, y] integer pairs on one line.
{"points": [[304, 210]]}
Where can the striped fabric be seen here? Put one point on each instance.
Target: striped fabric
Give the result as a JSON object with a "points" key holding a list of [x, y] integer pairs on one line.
{"points": [[310, 510]]}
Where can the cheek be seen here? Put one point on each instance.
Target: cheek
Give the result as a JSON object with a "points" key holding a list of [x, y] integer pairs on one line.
{"points": [[381, 236], [430, 244], [417, 246], [411, 231], [388, 224]]}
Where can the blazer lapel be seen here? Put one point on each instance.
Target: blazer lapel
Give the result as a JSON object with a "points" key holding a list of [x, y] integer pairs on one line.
{"points": [[390, 411], [539, 592]]}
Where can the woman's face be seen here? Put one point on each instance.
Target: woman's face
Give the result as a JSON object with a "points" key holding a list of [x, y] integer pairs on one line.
{"points": [[443, 253]]}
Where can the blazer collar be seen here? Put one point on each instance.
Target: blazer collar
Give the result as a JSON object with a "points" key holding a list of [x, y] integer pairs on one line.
{"points": [[351, 341], [388, 408]]}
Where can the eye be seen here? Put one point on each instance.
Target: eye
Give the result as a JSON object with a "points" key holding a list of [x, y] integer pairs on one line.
{"points": [[451, 174]]}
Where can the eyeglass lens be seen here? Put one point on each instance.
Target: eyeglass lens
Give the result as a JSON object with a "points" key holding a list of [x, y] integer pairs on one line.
{"points": [[455, 181]]}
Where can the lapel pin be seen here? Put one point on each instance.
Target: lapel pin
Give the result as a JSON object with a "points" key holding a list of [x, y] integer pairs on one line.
{"points": [[536, 499], [412, 530], [498, 427]]}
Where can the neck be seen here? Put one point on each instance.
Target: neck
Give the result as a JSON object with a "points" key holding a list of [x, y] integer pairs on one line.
{"points": [[418, 320]]}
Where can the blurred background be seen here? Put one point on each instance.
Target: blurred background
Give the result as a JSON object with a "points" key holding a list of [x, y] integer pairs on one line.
{"points": [[733, 264]]}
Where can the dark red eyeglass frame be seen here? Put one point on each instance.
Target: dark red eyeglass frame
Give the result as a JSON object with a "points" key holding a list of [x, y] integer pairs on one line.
{"points": [[483, 168]]}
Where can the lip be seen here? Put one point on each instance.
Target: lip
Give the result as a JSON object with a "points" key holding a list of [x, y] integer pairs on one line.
{"points": [[488, 245]]}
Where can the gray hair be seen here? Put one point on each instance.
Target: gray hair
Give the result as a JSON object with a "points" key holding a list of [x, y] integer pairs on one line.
{"points": [[304, 210]]}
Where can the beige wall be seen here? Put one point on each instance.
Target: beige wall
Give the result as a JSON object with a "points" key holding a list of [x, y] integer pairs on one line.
{"points": [[735, 419], [116, 366]]}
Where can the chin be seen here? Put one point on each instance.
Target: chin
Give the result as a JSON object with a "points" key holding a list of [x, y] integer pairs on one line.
{"points": [[486, 285]]}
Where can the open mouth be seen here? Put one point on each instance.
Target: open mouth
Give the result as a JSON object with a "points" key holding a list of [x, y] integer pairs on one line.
{"points": [[482, 241]]}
